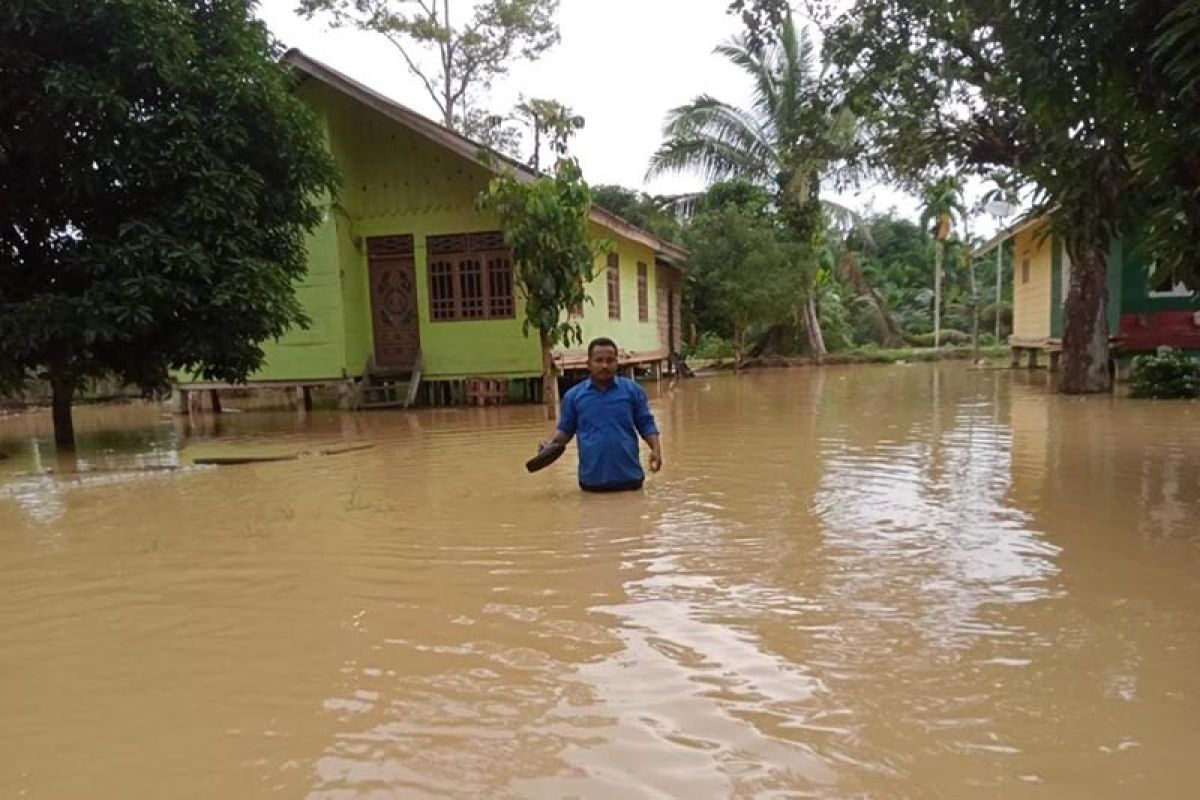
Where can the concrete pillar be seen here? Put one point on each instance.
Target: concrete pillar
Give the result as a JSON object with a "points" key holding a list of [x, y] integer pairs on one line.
{"points": [[179, 400], [303, 400], [1122, 368]]}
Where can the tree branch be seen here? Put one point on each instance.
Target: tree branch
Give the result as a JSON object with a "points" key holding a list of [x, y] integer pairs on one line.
{"points": [[415, 70]]}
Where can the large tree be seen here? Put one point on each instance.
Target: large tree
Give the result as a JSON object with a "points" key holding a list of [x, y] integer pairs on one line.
{"points": [[1068, 96], [1166, 144], [157, 178], [468, 55], [746, 266], [793, 135]]}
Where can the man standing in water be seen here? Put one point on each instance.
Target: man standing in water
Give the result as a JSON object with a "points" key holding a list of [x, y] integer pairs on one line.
{"points": [[607, 412]]}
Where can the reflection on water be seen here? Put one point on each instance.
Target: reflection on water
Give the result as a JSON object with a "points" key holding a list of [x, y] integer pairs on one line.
{"points": [[875, 582]]}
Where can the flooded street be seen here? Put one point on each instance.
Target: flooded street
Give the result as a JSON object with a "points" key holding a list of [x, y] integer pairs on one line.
{"points": [[892, 582]]}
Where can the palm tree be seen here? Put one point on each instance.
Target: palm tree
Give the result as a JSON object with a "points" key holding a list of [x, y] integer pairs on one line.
{"points": [[790, 137], [942, 200]]}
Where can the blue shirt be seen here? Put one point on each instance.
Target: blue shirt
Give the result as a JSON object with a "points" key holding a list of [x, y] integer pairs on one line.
{"points": [[607, 422]]}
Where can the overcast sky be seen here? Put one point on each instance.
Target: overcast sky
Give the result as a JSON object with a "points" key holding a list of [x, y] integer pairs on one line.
{"points": [[621, 64]]}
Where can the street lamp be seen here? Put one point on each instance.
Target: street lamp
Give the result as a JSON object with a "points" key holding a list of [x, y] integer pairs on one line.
{"points": [[1000, 209]]}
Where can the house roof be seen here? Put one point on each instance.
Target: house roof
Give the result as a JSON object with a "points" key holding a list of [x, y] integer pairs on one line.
{"points": [[1004, 234], [467, 148]]}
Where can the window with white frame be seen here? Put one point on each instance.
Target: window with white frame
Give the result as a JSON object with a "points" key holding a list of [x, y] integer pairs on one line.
{"points": [[1168, 286]]}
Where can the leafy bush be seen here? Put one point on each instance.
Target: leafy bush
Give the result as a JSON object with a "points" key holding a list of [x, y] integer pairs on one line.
{"points": [[949, 337], [987, 318], [1171, 374], [710, 346]]}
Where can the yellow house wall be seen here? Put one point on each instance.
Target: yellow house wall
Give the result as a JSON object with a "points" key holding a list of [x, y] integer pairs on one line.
{"points": [[1031, 300], [628, 332]]}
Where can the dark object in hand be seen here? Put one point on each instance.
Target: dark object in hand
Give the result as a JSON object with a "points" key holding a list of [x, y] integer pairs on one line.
{"points": [[548, 453]]}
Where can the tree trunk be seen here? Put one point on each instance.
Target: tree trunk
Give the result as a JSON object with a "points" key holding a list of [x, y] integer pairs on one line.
{"points": [[974, 311], [1085, 335], [938, 253], [739, 346], [852, 271], [999, 288], [63, 391], [537, 144], [447, 61], [549, 379], [812, 326]]}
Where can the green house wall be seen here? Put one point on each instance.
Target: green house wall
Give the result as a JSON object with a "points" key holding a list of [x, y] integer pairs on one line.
{"points": [[395, 181], [319, 351], [628, 332], [1135, 287]]}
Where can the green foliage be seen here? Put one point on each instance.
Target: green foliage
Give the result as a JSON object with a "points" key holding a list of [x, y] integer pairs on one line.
{"points": [[1170, 161], [874, 282], [793, 135], [545, 223], [949, 336], [552, 123], [1092, 104], [837, 321], [1172, 374], [702, 289], [942, 204], [741, 193], [879, 355], [987, 317], [710, 346], [493, 131], [467, 56], [648, 213], [749, 273], [761, 18], [157, 179]]}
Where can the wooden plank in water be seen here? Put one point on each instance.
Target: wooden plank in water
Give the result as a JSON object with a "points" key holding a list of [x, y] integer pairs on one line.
{"points": [[249, 453], [339, 449], [243, 459]]}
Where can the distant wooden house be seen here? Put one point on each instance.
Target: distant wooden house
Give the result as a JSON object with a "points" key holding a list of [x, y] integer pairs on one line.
{"points": [[1142, 316], [410, 288]]}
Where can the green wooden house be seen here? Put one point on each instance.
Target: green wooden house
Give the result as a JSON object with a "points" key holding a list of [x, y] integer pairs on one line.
{"points": [[408, 285]]}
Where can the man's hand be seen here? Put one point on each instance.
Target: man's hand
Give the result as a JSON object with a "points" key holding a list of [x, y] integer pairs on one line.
{"points": [[656, 460]]}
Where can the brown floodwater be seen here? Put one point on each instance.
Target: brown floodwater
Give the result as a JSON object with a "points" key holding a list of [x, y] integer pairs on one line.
{"points": [[892, 582]]}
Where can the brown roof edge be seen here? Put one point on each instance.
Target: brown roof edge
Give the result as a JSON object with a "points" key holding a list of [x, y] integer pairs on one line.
{"points": [[456, 142], [673, 255], [1005, 234]]}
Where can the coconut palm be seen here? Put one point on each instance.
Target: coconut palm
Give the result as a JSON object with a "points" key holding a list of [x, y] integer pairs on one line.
{"points": [[942, 201], [790, 137]]}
